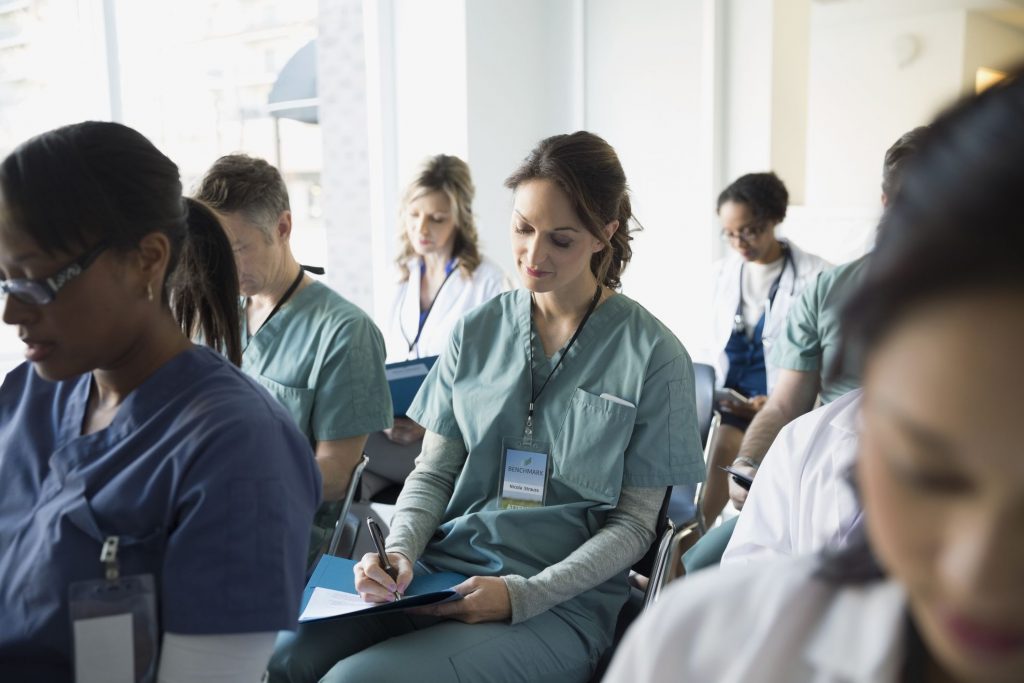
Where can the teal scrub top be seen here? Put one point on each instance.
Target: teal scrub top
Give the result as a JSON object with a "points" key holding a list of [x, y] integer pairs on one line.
{"points": [[811, 341], [479, 391], [322, 357]]}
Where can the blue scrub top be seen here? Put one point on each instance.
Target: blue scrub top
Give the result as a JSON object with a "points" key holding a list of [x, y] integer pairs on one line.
{"points": [[479, 392], [747, 373], [202, 474]]}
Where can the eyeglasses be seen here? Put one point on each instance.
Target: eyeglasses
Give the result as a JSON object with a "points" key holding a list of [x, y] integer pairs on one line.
{"points": [[43, 291], [746, 235]]}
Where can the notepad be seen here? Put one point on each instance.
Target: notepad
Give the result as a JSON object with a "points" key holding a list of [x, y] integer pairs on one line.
{"points": [[331, 592], [404, 380]]}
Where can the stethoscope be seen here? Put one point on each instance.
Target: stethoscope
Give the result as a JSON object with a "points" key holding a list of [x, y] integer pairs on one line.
{"points": [[449, 268], [738, 324]]}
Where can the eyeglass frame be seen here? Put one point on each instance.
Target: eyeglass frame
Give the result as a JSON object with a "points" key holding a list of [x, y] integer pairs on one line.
{"points": [[49, 286], [747, 233]]}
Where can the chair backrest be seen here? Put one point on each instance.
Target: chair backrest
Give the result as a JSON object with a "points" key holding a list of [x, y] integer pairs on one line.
{"points": [[704, 389], [350, 494], [664, 527]]}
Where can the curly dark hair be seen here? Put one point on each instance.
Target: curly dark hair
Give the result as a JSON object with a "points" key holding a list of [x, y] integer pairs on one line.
{"points": [[764, 194]]}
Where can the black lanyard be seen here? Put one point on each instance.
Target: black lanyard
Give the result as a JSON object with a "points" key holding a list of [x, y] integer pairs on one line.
{"points": [[450, 268], [737, 320], [534, 395], [281, 302]]}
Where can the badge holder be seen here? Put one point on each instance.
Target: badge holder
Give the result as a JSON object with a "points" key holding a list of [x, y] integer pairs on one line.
{"points": [[114, 625], [525, 471]]}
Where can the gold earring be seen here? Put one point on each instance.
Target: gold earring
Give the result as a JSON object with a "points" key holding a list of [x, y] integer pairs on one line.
{"points": [[149, 291]]}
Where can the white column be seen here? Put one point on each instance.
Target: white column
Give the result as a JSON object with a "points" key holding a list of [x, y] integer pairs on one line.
{"points": [[341, 85], [766, 73]]}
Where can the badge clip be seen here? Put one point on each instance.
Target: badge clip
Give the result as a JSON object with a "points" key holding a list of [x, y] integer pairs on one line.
{"points": [[108, 556]]}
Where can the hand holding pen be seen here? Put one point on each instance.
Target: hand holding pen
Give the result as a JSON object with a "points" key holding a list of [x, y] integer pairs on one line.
{"points": [[381, 576]]}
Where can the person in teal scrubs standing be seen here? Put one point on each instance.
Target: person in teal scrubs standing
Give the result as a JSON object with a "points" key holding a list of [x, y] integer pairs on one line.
{"points": [[556, 417], [319, 354]]}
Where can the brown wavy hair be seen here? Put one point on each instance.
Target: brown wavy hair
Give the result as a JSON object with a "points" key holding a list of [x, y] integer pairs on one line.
{"points": [[448, 174], [587, 169]]}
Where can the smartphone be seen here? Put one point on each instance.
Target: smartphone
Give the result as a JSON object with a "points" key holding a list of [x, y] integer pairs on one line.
{"points": [[738, 477], [730, 395]]}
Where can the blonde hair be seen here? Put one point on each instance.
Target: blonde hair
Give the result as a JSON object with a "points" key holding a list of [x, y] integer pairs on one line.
{"points": [[450, 175]]}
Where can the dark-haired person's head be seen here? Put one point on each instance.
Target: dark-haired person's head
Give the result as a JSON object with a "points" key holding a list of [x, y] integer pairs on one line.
{"points": [[896, 158], [748, 210], [250, 198], [436, 214], [571, 191], [96, 241], [938, 321]]}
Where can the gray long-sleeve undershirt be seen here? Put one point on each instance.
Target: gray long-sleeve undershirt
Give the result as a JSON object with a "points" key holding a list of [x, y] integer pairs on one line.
{"points": [[625, 537]]}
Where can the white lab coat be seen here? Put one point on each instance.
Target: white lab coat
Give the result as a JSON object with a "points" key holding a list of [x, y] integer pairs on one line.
{"points": [[767, 623], [801, 501], [726, 297], [458, 296]]}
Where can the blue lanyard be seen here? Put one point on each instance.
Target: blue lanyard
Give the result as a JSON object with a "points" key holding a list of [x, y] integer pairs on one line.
{"points": [[449, 268]]}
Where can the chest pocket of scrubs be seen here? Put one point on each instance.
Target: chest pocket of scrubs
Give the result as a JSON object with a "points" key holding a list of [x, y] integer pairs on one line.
{"points": [[589, 449], [298, 401], [70, 520]]}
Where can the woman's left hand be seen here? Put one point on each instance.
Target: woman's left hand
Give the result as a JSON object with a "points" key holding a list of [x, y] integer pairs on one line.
{"points": [[485, 598]]}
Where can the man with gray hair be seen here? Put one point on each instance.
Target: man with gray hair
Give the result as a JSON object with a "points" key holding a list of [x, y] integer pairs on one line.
{"points": [[317, 353]]}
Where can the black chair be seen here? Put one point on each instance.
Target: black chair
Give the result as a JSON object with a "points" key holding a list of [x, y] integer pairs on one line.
{"points": [[346, 525], [670, 539]]}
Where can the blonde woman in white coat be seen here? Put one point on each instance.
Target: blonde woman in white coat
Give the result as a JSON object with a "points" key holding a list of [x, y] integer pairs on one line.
{"points": [[442, 274]]}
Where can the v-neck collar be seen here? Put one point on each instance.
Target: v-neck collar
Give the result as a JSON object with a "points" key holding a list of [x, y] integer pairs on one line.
{"points": [[269, 327], [155, 391], [604, 314]]}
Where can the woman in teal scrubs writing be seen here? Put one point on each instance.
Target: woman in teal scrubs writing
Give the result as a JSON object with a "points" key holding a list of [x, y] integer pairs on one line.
{"points": [[556, 417]]}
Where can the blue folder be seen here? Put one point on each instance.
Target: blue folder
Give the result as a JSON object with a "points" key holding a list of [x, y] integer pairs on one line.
{"points": [[405, 379], [336, 574]]}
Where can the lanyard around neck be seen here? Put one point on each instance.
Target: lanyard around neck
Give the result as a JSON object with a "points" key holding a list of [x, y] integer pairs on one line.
{"points": [[448, 270], [535, 394], [283, 300]]}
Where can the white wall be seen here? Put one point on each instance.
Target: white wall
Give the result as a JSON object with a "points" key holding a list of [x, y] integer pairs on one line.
{"points": [[861, 100], [747, 100], [991, 44], [521, 87], [430, 81], [643, 83]]}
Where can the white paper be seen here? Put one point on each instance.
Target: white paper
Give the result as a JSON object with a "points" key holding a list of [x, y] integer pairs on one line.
{"points": [[415, 370], [104, 650], [325, 602]]}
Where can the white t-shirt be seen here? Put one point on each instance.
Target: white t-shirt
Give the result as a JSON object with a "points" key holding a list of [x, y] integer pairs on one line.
{"points": [[757, 283], [767, 623]]}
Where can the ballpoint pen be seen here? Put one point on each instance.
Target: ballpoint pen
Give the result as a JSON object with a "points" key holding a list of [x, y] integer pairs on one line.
{"points": [[378, 543]]}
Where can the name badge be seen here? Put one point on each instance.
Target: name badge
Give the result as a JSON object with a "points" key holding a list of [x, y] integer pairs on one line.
{"points": [[525, 469], [114, 625]]}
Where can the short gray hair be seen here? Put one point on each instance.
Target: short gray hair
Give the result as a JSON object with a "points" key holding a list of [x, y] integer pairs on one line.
{"points": [[245, 184]]}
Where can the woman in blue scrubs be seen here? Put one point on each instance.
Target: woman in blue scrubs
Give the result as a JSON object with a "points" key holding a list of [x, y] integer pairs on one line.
{"points": [[556, 417], [120, 434]]}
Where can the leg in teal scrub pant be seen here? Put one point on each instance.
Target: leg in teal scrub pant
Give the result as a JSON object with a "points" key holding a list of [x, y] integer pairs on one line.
{"points": [[402, 648], [707, 552]]}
